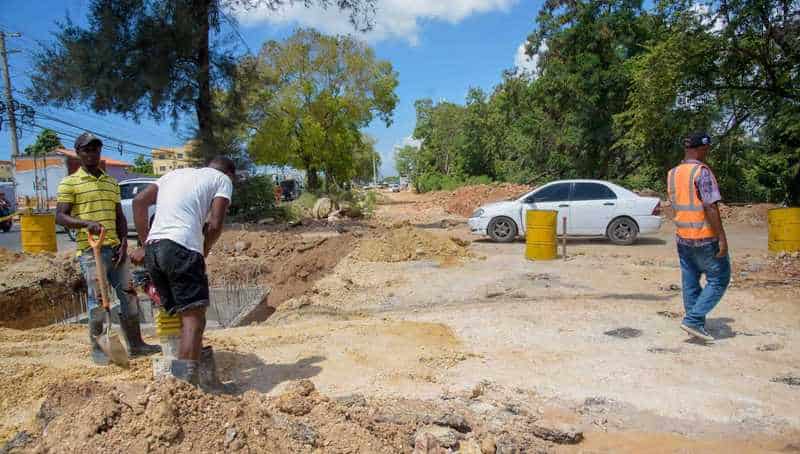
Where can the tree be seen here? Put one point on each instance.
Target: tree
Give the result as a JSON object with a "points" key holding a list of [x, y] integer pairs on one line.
{"points": [[315, 93], [142, 166], [46, 141], [153, 57]]}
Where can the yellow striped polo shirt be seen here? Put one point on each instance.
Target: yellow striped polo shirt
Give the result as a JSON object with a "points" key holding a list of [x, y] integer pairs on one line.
{"points": [[92, 199]]}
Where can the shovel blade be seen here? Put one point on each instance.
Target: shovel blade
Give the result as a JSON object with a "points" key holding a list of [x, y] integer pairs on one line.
{"points": [[112, 347]]}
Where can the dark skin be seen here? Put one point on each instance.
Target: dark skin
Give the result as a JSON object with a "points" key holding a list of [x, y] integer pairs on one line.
{"points": [[193, 321], [712, 211], [89, 156]]}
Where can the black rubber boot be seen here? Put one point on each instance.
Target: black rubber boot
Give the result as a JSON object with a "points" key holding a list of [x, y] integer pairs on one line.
{"points": [[186, 370], [96, 319], [132, 330]]}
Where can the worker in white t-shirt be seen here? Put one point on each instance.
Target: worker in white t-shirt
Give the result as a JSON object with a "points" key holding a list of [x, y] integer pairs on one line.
{"points": [[190, 210]]}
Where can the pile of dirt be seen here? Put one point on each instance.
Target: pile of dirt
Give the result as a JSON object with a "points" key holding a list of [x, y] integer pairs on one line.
{"points": [[778, 270], [464, 201], [407, 243], [287, 263], [755, 215], [35, 287], [171, 416]]}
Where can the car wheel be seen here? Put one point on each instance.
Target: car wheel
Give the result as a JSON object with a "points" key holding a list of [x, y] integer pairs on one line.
{"points": [[623, 231], [502, 229]]}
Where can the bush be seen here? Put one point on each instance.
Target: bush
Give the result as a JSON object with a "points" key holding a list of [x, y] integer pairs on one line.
{"points": [[253, 199]]}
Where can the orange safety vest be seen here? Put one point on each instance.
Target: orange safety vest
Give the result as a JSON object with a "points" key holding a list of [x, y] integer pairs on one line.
{"points": [[690, 216]]}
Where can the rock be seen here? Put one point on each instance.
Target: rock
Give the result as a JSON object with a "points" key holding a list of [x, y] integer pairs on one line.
{"points": [[241, 246], [769, 347], [445, 436], [302, 387], [488, 445], [470, 446], [304, 433], [266, 221], [454, 421], [230, 435], [558, 433], [323, 207]]}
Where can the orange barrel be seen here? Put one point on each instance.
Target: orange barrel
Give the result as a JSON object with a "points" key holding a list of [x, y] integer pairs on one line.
{"points": [[784, 230], [38, 232], [540, 235]]}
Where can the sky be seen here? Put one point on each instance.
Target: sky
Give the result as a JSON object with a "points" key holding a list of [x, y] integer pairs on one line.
{"points": [[440, 48]]}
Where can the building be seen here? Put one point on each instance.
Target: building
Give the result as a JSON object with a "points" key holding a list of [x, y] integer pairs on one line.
{"points": [[6, 173], [46, 172], [167, 159]]}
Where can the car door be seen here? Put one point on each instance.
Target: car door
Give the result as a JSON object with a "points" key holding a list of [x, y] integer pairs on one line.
{"points": [[551, 197], [591, 207]]}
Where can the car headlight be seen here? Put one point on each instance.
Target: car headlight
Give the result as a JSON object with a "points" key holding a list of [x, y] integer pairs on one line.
{"points": [[478, 213]]}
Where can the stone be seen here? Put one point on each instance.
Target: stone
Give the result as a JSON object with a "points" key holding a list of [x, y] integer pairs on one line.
{"points": [[769, 347], [266, 221], [488, 445], [445, 436], [470, 446], [453, 421], [493, 292], [323, 207], [242, 246], [425, 443], [230, 435]]}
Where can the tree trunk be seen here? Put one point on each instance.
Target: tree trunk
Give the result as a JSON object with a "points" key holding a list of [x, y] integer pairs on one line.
{"points": [[203, 104], [313, 178], [794, 189]]}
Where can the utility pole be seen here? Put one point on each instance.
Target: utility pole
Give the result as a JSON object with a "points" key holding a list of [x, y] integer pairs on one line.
{"points": [[12, 119]]}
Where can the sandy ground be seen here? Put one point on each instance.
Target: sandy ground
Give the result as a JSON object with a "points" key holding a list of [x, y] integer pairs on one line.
{"points": [[591, 341]]}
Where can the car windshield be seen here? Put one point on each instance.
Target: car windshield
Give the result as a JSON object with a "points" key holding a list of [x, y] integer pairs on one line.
{"points": [[129, 191]]}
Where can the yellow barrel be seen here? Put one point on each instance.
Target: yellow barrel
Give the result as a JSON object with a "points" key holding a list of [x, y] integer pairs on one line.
{"points": [[167, 325], [38, 232], [540, 235], [784, 229]]}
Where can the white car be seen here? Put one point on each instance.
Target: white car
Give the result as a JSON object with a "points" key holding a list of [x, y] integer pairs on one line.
{"points": [[127, 191], [593, 209]]}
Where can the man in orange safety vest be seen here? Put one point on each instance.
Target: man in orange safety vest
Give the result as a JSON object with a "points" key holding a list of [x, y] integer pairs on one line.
{"points": [[700, 236]]}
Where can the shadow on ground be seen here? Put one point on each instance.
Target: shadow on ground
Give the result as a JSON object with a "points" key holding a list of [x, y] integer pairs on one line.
{"points": [[248, 372]]}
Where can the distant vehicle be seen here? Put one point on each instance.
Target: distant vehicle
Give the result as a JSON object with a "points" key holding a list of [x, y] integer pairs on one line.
{"points": [[9, 206], [127, 191], [592, 208], [394, 187], [290, 190]]}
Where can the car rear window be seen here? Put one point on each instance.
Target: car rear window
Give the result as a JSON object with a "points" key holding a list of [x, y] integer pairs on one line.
{"points": [[129, 191], [592, 191]]}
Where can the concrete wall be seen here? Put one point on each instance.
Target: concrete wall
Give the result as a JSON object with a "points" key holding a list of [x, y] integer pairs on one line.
{"points": [[25, 181]]}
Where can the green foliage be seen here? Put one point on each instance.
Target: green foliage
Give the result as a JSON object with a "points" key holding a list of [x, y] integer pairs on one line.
{"points": [[314, 94], [253, 199], [142, 166], [46, 141]]}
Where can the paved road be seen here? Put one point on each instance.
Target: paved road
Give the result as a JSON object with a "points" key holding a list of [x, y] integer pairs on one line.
{"points": [[11, 240]]}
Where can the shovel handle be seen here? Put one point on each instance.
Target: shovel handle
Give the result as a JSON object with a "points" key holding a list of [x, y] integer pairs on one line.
{"points": [[100, 268]]}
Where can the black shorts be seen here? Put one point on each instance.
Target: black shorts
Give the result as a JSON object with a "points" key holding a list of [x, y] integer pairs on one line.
{"points": [[179, 275]]}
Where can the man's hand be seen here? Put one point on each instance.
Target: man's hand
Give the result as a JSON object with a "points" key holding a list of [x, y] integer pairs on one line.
{"points": [[137, 256], [723, 248], [120, 253], [93, 227]]}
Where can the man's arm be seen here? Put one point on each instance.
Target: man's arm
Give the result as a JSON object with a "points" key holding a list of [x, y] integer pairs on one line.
{"points": [[64, 217], [141, 211], [213, 228], [714, 218], [121, 222]]}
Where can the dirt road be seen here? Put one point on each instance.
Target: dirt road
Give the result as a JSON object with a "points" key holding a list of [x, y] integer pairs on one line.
{"points": [[586, 345]]}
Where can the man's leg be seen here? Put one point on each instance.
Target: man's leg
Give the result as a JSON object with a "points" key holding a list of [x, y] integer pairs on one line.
{"points": [[119, 277], [193, 325], [718, 276], [690, 280], [97, 315]]}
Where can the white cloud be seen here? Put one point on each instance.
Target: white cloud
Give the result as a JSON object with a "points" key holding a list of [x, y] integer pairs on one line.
{"points": [[394, 19], [526, 64], [704, 11], [408, 140]]}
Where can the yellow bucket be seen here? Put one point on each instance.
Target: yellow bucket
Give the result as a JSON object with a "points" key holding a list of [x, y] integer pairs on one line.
{"points": [[540, 235], [784, 229], [167, 325], [38, 232]]}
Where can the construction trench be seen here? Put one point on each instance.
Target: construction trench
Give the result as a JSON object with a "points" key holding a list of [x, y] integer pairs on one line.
{"points": [[404, 333]]}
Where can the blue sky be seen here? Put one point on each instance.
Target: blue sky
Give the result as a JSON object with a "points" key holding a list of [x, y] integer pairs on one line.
{"points": [[440, 48]]}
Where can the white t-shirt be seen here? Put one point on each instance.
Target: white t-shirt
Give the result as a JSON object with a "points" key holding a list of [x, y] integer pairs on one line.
{"points": [[184, 200]]}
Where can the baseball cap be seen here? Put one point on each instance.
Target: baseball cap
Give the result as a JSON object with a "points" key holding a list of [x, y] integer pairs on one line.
{"points": [[85, 139], [697, 139]]}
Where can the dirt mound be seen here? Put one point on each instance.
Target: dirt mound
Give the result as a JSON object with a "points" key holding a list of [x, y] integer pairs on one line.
{"points": [[287, 263], [755, 215], [408, 243], [779, 270], [170, 416], [464, 201], [35, 287]]}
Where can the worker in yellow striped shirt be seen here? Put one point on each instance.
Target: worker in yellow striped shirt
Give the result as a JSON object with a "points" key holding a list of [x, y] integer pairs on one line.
{"points": [[89, 200]]}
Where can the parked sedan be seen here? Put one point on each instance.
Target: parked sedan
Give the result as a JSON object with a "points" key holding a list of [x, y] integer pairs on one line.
{"points": [[128, 190], [592, 209]]}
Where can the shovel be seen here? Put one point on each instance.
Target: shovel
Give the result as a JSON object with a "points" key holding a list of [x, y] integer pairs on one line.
{"points": [[110, 344]]}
